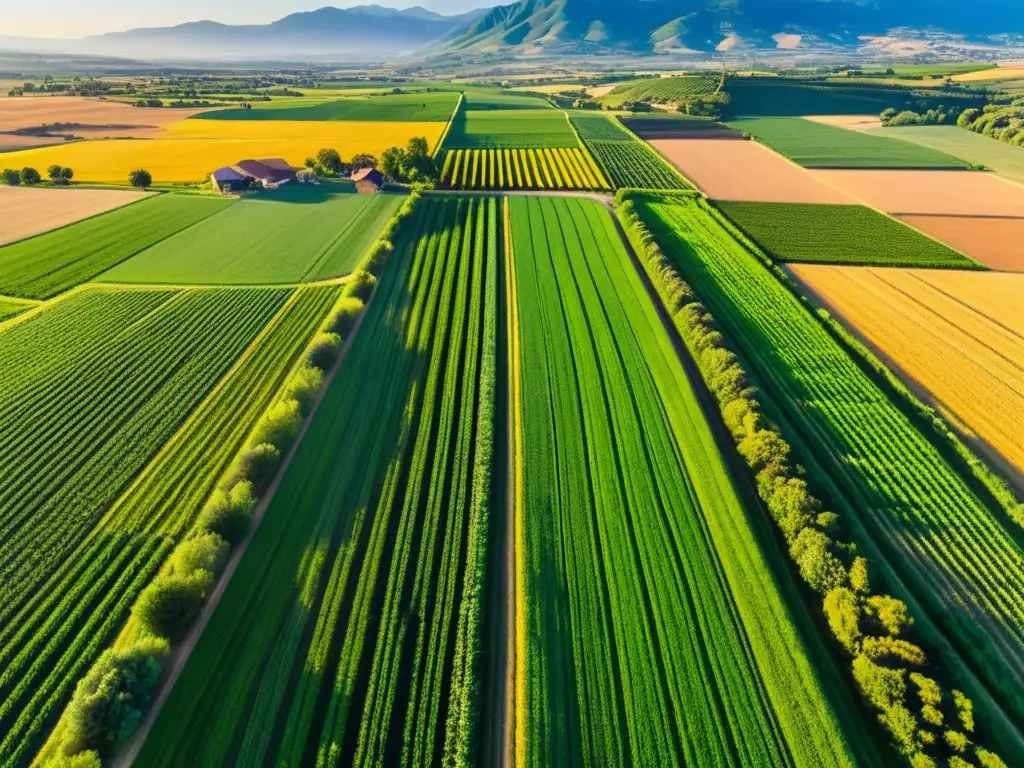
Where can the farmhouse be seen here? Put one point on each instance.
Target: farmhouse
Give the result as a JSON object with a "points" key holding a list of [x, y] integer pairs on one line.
{"points": [[369, 181], [269, 172]]}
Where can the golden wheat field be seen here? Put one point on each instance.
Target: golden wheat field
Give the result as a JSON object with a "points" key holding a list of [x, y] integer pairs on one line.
{"points": [[960, 335], [192, 149]]}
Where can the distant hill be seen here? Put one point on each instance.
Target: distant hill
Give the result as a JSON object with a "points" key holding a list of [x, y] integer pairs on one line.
{"points": [[559, 27], [369, 32]]}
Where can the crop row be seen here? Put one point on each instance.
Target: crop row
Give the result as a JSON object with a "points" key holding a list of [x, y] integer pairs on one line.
{"points": [[666, 90], [63, 608], [349, 633], [47, 264], [522, 169], [635, 165], [915, 507], [650, 625]]}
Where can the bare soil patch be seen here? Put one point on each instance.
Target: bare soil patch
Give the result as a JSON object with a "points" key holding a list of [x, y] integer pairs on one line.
{"points": [[12, 143], [850, 122], [29, 212], [996, 243], [746, 171], [946, 193], [95, 118]]}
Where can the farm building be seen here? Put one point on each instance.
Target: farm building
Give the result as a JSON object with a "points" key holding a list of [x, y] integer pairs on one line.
{"points": [[228, 180], [235, 178], [368, 181], [272, 171]]}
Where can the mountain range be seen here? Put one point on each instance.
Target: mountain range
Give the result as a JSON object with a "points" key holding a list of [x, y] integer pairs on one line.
{"points": [[541, 28]]}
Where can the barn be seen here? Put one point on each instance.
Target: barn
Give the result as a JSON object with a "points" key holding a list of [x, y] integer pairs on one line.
{"points": [[369, 181], [228, 181], [271, 171]]}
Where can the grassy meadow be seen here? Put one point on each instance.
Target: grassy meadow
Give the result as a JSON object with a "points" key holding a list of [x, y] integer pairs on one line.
{"points": [[292, 234]]}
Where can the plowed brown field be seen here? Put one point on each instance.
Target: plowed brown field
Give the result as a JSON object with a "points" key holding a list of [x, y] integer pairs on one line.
{"points": [[960, 335], [92, 118], [996, 243], [947, 193], [29, 212], [745, 171]]}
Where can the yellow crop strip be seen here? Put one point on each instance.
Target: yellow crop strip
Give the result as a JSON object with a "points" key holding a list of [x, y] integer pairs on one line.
{"points": [[192, 149], [519, 511]]}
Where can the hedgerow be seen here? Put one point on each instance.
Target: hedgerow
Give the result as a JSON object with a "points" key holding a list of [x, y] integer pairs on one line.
{"points": [[887, 662]]}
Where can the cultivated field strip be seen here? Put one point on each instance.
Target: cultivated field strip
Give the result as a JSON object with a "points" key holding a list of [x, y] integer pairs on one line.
{"points": [[955, 559], [349, 634], [75, 431], [635, 165], [522, 169], [971, 364], [48, 264], [63, 604], [651, 631]]}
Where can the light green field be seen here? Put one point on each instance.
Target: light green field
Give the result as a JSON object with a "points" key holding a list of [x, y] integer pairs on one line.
{"points": [[971, 147], [293, 234], [11, 307]]}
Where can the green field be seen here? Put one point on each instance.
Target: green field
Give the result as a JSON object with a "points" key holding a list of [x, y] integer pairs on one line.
{"points": [[350, 632], [399, 108], [1004, 159], [634, 164], [598, 127], [932, 70], [654, 629], [293, 234], [522, 129], [936, 538], [54, 634], [493, 99], [48, 264], [10, 307], [839, 234], [789, 96], [662, 90], [814, 145]]}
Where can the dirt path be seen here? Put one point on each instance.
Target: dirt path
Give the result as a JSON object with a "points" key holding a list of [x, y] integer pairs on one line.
{"points": [[180, 655]]}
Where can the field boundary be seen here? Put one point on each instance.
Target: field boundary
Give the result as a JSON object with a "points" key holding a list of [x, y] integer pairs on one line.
{"points": [[180, 655], [1013, 475], [439, 146]]}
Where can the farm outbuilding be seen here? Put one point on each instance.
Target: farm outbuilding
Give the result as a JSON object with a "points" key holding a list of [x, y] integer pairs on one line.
{"points": [[369, 181], [228, 180], [271, 171]]}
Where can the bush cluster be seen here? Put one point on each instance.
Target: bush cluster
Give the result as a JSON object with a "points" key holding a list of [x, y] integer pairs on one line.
{"points": [[1005, 123], [109, 701], [890, 669]]}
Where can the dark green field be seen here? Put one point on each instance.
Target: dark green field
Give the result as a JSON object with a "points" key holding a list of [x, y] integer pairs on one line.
{"points": [[839, 234], [814, 145], [395, 108]]}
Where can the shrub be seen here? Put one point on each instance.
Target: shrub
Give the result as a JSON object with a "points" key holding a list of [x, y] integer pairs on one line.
{"points": [[141, 178], [956, 741], [108, 702], [843, 613], [279, 426], [859, 578], [204, 553], [30, 176], [890, 613], [304, 386], [323, 351], [823, 572], [228, 515], [891, 652], [964, 711], [377, 257], [928, 690], [59, 174], [10, 177], [988, 759], [258, 465], [361, 286], [88, 759], [345, 316], [168, 607]]}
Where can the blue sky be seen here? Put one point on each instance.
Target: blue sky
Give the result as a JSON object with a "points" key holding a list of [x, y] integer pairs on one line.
{"points": [[78, 18]]}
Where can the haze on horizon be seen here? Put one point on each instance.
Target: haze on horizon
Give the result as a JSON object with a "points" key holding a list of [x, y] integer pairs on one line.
{"points": [[80, 18]]}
